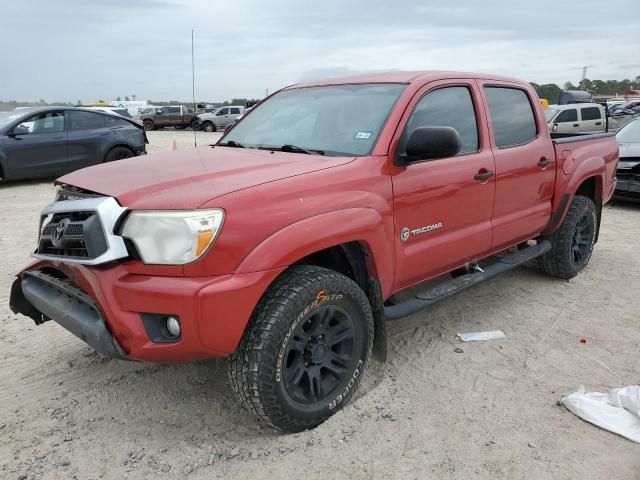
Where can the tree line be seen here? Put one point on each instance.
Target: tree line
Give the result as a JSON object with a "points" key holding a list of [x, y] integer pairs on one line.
{"points": [[598, 88]]}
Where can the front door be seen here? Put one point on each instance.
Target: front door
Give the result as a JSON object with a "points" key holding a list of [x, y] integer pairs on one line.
{"points": [[222, 117], [37, 147], [525, 164], [443, 207]]}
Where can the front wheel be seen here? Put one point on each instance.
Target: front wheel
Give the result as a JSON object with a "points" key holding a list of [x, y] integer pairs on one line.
{"points": [[572, 244], [149, 125], [305, 350], [208, 127]]}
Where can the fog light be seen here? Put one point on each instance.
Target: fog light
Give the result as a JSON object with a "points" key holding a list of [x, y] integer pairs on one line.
{"points": [[173, 326]]}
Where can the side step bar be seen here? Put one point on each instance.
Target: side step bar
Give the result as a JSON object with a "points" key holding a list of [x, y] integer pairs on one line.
{"points": [[447, 289]]}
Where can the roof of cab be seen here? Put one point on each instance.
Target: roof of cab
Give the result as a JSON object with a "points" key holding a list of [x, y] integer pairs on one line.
{"points": [[403, 77]]}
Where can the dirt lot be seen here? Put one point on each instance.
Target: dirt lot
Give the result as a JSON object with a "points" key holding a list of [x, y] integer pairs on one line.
{"points": [[489, 412]]}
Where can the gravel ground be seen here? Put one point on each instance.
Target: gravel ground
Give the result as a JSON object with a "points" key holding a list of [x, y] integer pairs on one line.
{"points": [[437, 409]]}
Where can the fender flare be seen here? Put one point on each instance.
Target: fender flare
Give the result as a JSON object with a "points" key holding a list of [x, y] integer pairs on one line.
{"points": [[298, 240], [593, 167]]}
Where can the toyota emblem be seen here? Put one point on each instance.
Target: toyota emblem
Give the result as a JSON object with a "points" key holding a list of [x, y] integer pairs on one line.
{"points": [[58, 233], [404, 234]]}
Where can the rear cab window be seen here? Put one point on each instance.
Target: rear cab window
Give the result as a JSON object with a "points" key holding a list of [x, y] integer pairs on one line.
{"points": [[512, 116]]}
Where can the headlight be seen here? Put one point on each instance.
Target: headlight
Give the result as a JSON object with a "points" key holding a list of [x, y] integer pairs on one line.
{"points": [[172, 237]]}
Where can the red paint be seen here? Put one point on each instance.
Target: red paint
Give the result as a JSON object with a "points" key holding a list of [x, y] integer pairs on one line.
{"points": [[583, 340], [281, 207]]}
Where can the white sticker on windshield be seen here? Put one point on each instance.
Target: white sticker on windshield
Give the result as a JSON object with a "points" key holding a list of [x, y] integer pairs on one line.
{"points": [[362, 135]]}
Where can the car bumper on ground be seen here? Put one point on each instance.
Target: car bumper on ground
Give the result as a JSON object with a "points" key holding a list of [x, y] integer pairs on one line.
{"points": [[114, 310], [628, 187]]}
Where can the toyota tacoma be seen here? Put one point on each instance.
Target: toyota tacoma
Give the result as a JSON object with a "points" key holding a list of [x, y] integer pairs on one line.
{"points": [[288, 245]]}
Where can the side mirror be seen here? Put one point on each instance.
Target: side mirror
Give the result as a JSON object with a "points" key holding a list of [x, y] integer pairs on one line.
{"points": [[554, 128], [158, 112], [429, 143], [19, 130]]}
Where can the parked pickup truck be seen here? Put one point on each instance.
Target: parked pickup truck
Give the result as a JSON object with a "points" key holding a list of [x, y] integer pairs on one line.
{"points": [[289, 244], [177, 116], [221, 118]]}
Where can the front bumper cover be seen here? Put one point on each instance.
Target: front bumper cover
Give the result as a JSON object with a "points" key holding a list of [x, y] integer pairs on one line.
{"points": [[104, 306], [43, 297]]}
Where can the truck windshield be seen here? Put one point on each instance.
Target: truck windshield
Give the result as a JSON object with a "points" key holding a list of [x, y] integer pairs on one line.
{"points": [[333, 120]]}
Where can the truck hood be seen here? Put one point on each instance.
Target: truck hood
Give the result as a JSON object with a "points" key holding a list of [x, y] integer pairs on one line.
{"points": [[186, 179]]}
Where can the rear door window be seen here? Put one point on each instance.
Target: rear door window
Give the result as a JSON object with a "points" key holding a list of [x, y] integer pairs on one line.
{"points": [[590, 113], [567, 116], [511, 115], [85, 120], [235, 111]]}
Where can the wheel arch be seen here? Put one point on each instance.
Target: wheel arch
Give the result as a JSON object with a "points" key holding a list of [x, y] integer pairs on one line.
{"points": [[358, 247], [119, 144]]}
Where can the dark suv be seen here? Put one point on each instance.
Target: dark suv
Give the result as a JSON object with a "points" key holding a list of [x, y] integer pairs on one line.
{"points": [[51, 141]]}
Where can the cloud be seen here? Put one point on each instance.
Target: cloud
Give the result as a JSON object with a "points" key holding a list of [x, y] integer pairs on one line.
{"points": [[70, 49]]}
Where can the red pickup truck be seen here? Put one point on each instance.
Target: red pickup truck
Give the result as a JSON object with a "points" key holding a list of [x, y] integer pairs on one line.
{"points": [[290, 243]]}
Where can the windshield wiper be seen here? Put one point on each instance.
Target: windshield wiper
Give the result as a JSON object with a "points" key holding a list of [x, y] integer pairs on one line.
{"points": [[231, 143], [288, 147]]}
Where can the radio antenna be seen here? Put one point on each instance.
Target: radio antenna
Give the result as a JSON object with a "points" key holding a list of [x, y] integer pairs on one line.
{"points": [[193, 90]]}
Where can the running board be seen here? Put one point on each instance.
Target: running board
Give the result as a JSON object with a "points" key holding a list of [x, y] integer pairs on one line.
{"points": [[447, 289]]}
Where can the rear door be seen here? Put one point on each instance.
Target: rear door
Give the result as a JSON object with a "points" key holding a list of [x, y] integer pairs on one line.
{"points": [[39, 146], [88, 138], [525, 164], [442, 209], [592, 119]]}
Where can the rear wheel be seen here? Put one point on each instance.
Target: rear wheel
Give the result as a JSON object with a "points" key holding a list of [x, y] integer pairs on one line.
{"points": [[149, 125], [195, 125], [118, 153], [304, 352], [572, 244], [208, 127]]}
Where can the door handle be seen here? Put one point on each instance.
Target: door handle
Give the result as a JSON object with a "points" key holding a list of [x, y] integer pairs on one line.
{"points": [[576, 124], [543, 162], [598, 123], [483, 175]]}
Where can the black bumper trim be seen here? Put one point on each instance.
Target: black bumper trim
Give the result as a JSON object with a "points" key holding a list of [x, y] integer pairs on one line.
{"points": [[60, 300]]}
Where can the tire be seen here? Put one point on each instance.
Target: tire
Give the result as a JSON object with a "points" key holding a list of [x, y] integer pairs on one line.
{"points": [[209, 127], [291, 371], [149, 125], [118, 153], [572, 244], [195, 125]]}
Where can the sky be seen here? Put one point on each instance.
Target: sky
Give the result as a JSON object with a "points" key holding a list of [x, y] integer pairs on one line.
{"points": [[69, 50]]}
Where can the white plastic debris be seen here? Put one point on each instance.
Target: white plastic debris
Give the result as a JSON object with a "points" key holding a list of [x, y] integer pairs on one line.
{"points": [[617, 411], [481, 336]]}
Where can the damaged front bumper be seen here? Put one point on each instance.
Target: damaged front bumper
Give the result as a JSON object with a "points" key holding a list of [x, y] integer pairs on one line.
{"points": [[42, 296]]}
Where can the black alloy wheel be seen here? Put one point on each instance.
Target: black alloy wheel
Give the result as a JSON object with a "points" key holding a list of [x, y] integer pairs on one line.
{"points": [[319, 354], [582, 240]]}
